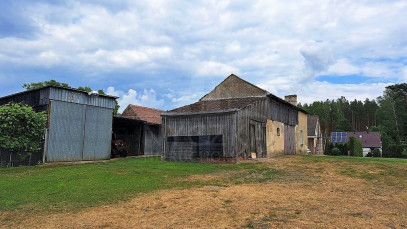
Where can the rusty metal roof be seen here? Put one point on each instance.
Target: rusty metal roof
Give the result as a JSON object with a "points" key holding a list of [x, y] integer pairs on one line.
{"points": [[214, 106]]}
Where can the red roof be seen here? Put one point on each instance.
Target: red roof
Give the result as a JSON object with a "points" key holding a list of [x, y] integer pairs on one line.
{"points": [[147, 114], [368, 139]]}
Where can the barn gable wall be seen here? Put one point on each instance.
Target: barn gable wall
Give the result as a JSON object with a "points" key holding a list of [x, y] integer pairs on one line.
{"points": [[234, 87]]}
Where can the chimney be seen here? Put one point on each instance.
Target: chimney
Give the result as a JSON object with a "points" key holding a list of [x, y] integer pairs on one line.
{"points": [[291, 99]]}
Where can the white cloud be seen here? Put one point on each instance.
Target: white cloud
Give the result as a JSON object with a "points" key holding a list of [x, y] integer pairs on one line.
{"points": [[147, 98], [316, 91], [317, 58], [343, 67], [281, 44], [213, 68], [323, 90]]}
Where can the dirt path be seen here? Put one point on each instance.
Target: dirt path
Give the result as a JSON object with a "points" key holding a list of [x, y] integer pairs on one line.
{"points": [[308, 196]]}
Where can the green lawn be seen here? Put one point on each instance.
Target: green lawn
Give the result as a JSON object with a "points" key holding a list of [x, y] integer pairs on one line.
{"points": [[73, 186]]}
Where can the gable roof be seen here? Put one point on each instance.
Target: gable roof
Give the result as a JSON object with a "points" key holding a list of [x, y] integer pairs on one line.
{"points": [[234, 87], [312, 121], [368, 139], [214, 106], [150, 115]]}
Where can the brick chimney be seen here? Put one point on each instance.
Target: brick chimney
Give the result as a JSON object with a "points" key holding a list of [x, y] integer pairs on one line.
{"points": [[291, 99]]}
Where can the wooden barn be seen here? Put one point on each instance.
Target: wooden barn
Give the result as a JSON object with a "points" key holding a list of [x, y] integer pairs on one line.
{"points": [[235, 120]]}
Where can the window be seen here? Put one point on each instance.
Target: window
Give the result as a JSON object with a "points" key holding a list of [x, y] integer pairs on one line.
{"points": [[278, 131], [301, 138]]}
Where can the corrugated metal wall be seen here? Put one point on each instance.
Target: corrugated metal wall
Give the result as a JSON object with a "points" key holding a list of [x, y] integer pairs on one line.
{"points": [[98, 133], [37, 99], [81, 98], [71, 138], [66, 132]]}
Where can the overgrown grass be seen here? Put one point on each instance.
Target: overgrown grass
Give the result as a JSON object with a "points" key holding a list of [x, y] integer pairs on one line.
{"points": [[74, 186]]}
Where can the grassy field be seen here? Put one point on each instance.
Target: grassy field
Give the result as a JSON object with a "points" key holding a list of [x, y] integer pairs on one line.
{"points": [[74, 186], [291, 191]]}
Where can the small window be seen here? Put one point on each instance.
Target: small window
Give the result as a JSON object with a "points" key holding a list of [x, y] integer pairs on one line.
{"points": [[278, 131], [301, 138]]}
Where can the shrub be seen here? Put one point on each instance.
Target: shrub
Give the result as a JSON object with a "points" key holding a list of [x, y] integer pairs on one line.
{"points": [[336, 152], [21, 128], [343, 148], [376, 152], [328, 148], [355, 147]]}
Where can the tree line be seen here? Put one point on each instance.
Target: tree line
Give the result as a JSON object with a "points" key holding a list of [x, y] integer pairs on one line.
{"points": [[387, 114]]}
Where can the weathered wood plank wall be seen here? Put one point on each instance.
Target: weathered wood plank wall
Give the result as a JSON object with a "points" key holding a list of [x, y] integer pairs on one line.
{"points": [[199, 125]]}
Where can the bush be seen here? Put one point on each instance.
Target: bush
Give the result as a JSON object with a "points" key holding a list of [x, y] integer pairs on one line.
{"points": [[376, 152], [355, 147], [328, 148], [343, 148], [336, 152], [21, 128]]}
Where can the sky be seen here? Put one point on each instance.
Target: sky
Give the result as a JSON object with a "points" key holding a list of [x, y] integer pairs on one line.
{"points": [[165, 54]]}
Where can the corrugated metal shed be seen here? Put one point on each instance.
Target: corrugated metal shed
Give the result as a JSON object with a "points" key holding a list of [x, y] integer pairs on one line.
{"points": [[79, 124]]}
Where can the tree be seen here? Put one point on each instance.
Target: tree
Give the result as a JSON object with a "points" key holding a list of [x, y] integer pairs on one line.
{"points": [[31, 86], [21, 128], [344, 126], [87, 89]]}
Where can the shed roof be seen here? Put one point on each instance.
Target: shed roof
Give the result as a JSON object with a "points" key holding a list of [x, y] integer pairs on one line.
{"points": [[54, 86], [312, 121], [214, 106], [150, 115], [368, 139]]}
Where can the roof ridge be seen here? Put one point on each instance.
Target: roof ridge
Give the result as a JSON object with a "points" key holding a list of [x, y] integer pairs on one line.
{"points": [[218, 100], [131, 105]]}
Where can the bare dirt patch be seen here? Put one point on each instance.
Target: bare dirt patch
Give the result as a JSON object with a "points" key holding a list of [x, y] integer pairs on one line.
{"points": [[322, 194]]}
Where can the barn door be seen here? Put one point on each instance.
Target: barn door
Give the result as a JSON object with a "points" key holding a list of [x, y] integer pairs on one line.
{"points": [[289, 140], [257, 138], [65, 141], [96, 145]]}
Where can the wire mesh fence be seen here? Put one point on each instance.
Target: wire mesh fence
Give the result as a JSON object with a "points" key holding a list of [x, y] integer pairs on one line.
{"points": [[15, 159]]}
